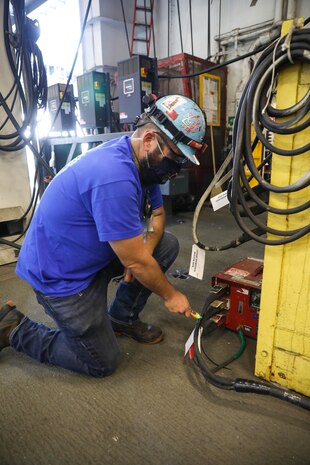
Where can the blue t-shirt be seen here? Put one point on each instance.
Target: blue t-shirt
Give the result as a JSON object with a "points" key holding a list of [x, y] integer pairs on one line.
{"points": [[94, 199]]}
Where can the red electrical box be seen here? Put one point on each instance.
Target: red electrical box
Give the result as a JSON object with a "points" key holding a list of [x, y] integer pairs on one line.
{"points": [[245, 281]]}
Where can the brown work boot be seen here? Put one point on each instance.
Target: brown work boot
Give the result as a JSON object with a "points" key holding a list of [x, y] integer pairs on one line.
{"points": [[141, 332], [10, 317]]}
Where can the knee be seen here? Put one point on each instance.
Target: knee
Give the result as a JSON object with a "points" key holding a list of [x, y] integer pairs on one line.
{"points": [[174, 245], [170, 248], [105, 369]]}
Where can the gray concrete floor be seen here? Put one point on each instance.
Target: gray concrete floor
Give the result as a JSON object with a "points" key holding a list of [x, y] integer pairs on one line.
{"points": [[157, 408]]}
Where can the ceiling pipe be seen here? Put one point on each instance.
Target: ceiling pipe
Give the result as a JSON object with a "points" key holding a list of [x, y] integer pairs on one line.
{"points": [[291, 9]]}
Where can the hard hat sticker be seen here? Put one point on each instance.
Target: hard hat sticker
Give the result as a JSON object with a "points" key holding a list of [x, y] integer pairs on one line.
{"points": [[173, 101], [173, 114], [191, 123]]}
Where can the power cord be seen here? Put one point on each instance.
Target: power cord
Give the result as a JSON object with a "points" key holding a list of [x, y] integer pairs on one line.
{"points": [[238, 384], [254, 108]]}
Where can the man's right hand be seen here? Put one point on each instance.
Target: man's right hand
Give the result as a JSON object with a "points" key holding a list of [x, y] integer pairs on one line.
{"points": [[138, 261], [178, 303]]}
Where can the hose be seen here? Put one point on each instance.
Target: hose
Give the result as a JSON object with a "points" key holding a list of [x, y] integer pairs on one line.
{"points": [[238, 384], [254, 108]]}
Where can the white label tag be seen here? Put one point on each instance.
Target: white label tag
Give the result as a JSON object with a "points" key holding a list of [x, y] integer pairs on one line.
{"points": [[197, 262], [189, 342], [219, 201]]}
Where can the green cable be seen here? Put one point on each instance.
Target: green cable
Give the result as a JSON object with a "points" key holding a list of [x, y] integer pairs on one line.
{"points": [[236, 355]]}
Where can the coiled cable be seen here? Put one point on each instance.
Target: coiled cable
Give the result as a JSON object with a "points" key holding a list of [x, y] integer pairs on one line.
{"points": [[255, 109]]}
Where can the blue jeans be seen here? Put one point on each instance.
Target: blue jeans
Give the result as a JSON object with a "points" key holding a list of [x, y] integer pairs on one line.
{"points": [[84, 341]]}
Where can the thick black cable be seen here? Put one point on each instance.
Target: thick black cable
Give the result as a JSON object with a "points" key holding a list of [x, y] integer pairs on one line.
{"points": [[209, 29], [125, 24], [180, 26], [70, 75], [252, 109], [238, 384], [213, 68], [153, 29], [168, 34], [10, 243], [219, 32]]}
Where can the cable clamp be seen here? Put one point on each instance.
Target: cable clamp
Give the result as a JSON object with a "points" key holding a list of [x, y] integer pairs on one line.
{"points": [[287, 43]]}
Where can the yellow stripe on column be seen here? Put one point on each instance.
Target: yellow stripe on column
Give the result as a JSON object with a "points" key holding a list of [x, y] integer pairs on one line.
{"points": [[283, 344]]}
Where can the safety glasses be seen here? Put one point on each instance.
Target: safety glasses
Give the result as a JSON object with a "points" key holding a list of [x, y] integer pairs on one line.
{"points": [[173, 156]]}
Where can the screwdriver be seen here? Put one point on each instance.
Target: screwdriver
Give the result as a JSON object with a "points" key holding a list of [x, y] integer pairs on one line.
{"points": [[196, 315]]}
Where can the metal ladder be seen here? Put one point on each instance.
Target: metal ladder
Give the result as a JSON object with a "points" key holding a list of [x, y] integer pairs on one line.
{"points": [[142, 19]]}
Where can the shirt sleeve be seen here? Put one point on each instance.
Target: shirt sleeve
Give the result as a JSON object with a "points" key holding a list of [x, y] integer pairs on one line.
{"points": [[116, 212], [155, 197]]}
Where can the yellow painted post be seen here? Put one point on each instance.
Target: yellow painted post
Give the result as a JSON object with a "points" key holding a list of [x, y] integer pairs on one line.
{"points": [[283, 344]]}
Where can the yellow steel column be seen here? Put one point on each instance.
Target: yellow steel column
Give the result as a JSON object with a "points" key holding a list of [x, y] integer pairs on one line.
{"points": [[283, 345]]}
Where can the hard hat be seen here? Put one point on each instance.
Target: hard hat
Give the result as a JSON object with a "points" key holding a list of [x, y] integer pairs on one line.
{"points": [[183, 121]]}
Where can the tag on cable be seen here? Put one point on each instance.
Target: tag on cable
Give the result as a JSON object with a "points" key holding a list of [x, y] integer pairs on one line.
{"points": [[190, 342], [219, 201], [197, 264]]}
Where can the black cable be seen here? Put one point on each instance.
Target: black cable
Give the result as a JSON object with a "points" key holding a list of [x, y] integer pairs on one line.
{"points": [[180, 27], [192, 42], [125, 24], [238, 384], [153, 29], [70, 75], [191, 25], [254, 108], [168, 35], [27, 67], [10, 243], [146, 35], [219, 33], [213, 68], [209, 28]]}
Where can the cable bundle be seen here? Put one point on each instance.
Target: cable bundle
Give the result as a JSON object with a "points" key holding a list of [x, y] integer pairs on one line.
{"points": [[29, 88], [255, 108], [238, 384]]}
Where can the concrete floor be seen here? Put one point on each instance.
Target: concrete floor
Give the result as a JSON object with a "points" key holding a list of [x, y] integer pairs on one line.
{"points": [[157, 408]]}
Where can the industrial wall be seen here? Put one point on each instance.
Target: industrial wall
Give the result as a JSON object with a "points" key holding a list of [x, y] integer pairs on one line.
{"points": [[238, 25]]}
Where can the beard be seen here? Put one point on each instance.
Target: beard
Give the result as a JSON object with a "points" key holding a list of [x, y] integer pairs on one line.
{"points": [[155, 171]]}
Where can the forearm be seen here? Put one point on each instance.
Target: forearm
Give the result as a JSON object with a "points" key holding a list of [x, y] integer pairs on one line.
{"points": [[155, 230], [148, 273], [139, 262]]}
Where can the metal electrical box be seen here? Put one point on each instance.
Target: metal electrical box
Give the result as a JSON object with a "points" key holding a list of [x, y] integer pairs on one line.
{"points": [[66, 119], [94, 100], [177, 185], [245, 281], [137, 77]]}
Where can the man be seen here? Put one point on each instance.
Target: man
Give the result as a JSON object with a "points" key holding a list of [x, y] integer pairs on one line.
{"points": [[87, 230]]}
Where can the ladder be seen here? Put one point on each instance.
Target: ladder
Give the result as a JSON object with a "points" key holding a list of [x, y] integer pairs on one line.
{"points": [[142, 24]]}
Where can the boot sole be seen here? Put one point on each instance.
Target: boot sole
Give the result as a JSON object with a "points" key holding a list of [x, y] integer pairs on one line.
{"points": [[155, 341]]}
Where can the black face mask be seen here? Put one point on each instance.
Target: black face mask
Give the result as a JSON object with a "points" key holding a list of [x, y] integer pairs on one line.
{"points": [[151, 173]]}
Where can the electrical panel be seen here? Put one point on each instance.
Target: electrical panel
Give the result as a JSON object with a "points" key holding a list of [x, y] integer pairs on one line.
{"points": [[243, 301], [94, 100], [137, 77], [66, 119]]}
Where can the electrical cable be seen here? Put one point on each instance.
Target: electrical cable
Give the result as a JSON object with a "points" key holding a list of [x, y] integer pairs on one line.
{"points": [[235, 356], [27, 67], [125, 24], [257, 88], [180, 26], [70, 75], [254, 108], [26, 63], [168, 21], [238, 384], [27, 94], [213, 68], [153, 29], [209, 28]]}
